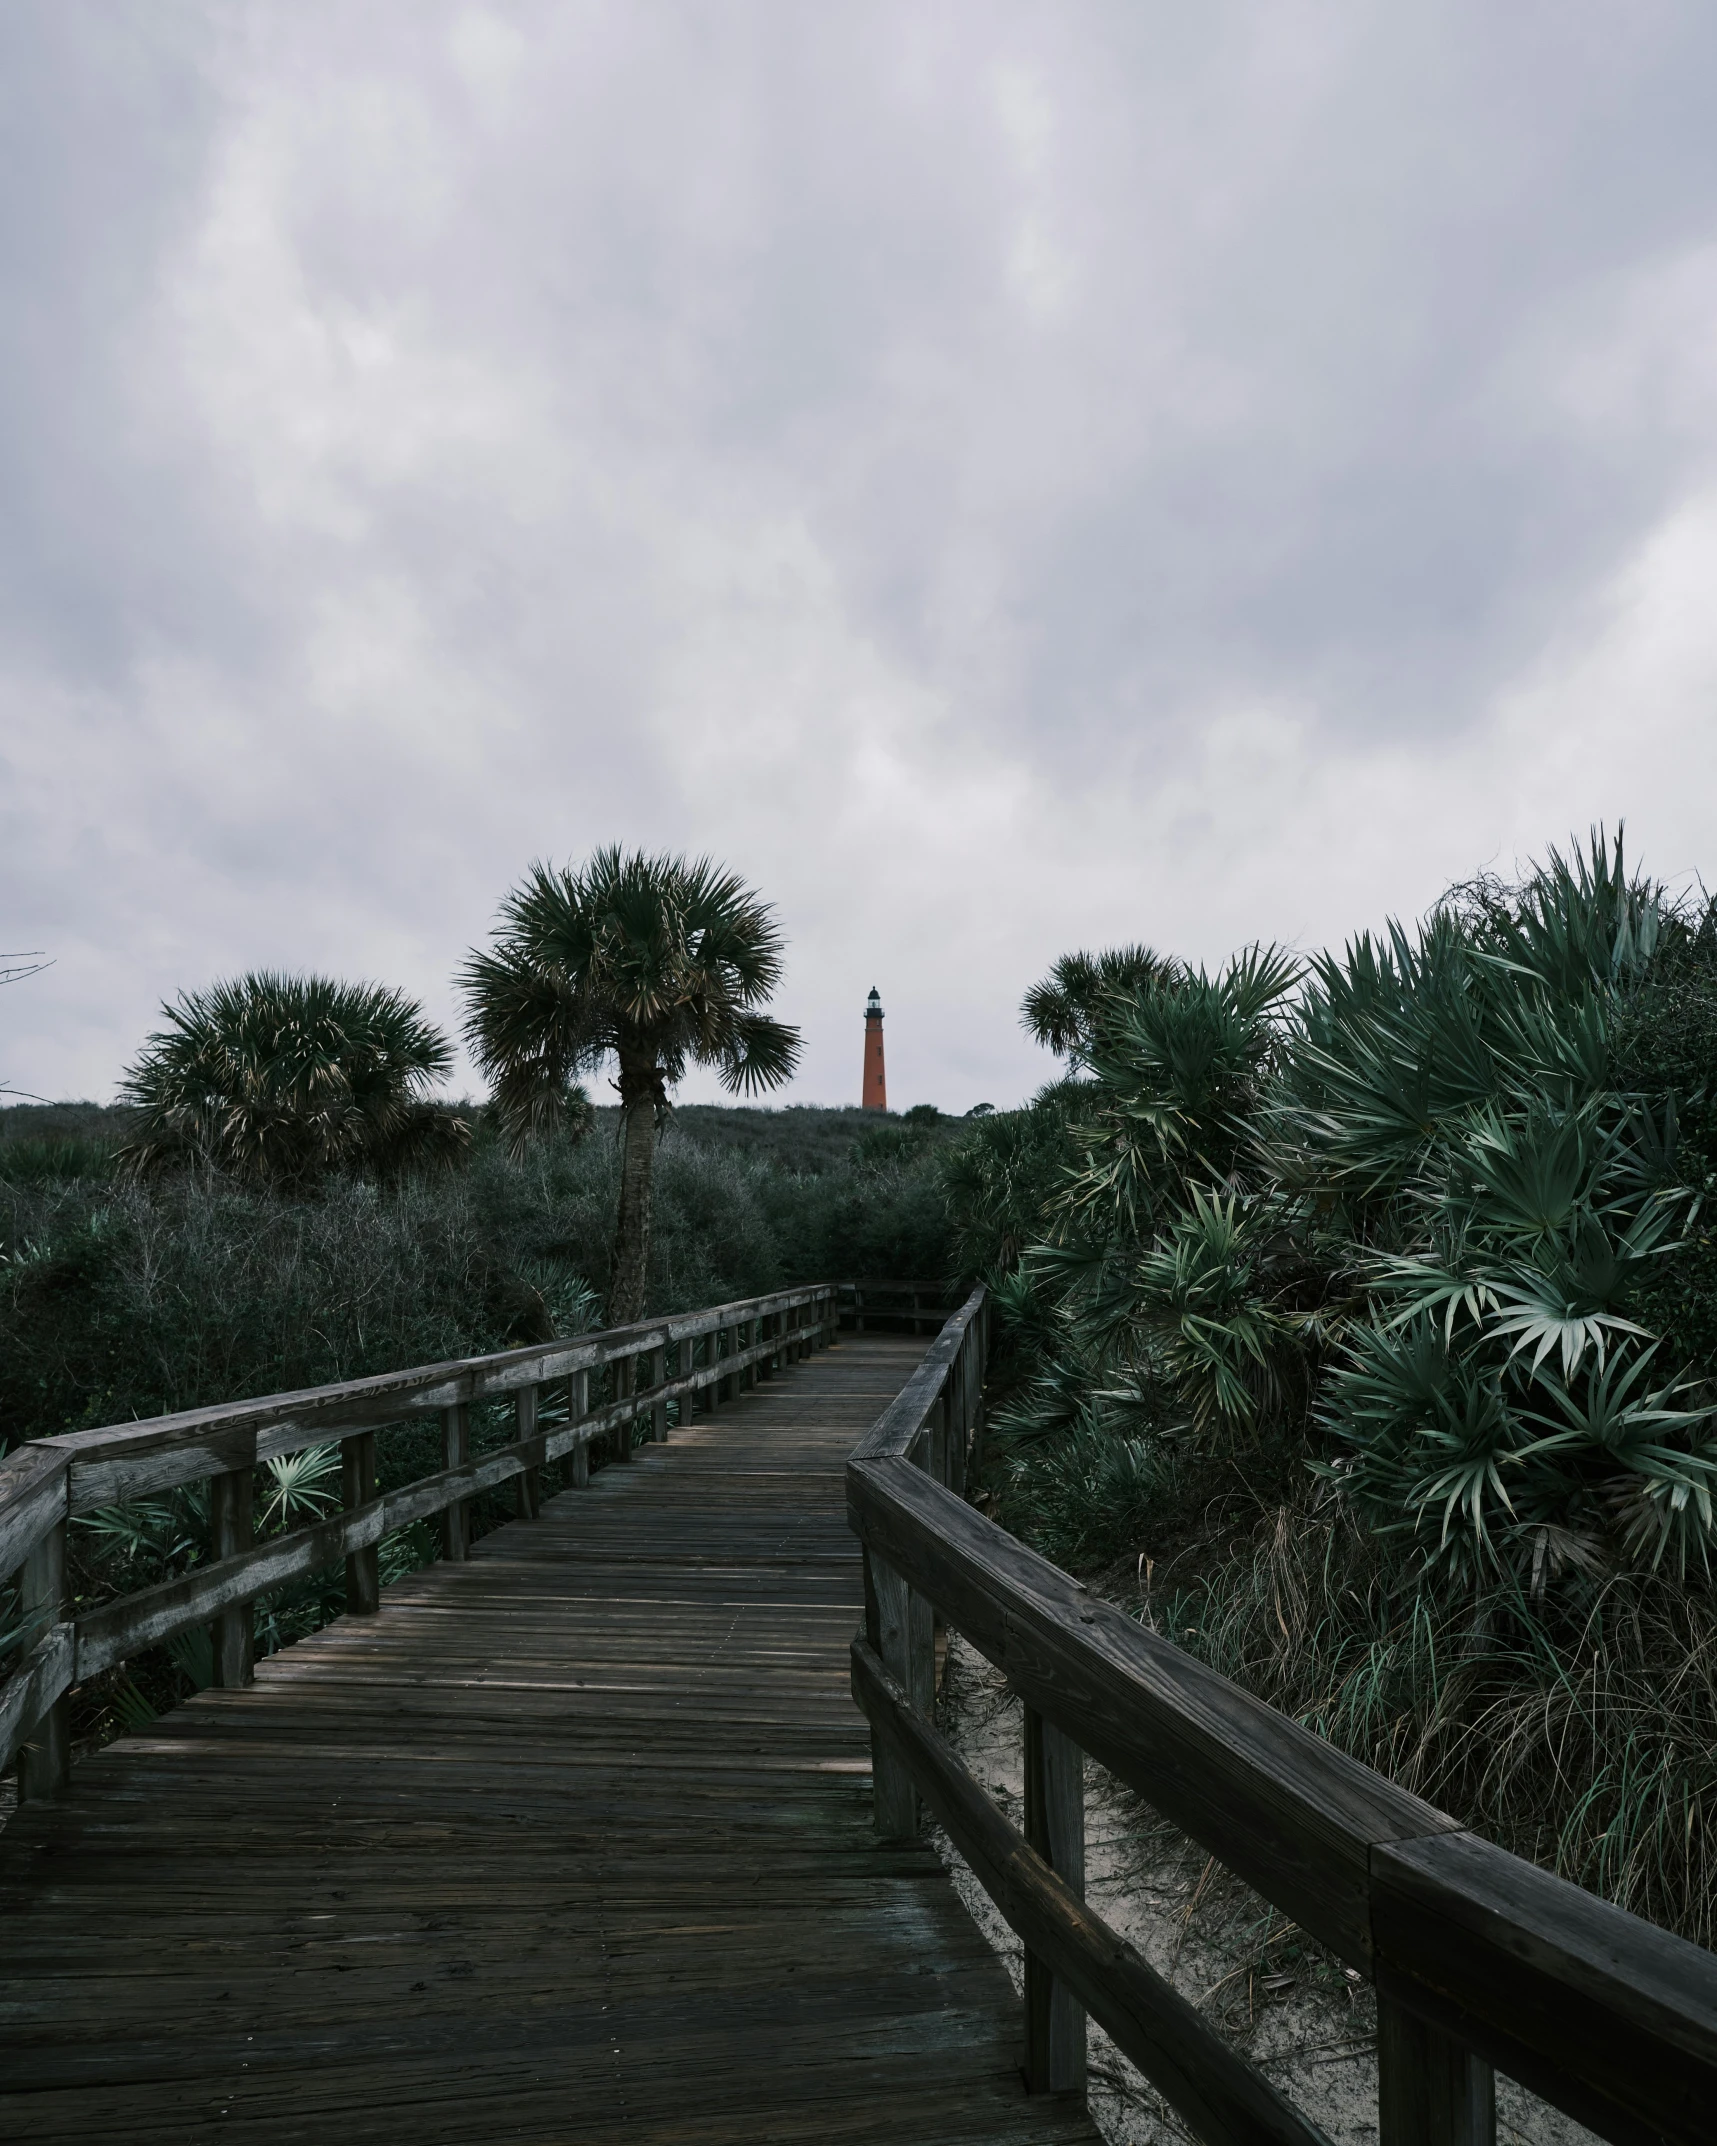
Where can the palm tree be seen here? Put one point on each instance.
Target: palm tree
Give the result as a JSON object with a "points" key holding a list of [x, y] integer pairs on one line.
{"points": [[654, 961], [281, 1079], [1070, 1008]]}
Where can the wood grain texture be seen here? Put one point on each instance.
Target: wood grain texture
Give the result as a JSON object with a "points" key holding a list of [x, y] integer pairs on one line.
{"points": [[32, 1500], [1610, 2018], [570, 1842], [1292, 1815], [116, 1630], [45, 1749], [1432, 2090], [34, 1684], [232, 1635], [1222, 2099], [1055, 1831], [131, 1460]]}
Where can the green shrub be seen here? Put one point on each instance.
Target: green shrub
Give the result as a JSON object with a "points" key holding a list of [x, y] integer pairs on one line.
{"points": [[1415, 1254]]}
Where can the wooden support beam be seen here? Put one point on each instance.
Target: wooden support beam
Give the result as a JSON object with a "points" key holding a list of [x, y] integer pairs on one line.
{"points": [[363, 1566], [528, 1487], [455, 1452], [577, 1408], [620, 1435], [659, 1414], [1217, 2094], [45, 1759], [232, 1634], [887, 1601], [1431, 2089], [1055, 1830]]}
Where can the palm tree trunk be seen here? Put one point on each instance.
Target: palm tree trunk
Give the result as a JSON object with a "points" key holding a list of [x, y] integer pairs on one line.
{"points": [[629, 1271]]}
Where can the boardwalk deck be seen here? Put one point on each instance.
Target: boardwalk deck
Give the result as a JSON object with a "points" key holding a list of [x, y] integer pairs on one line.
{"points": [[572, 1842]]}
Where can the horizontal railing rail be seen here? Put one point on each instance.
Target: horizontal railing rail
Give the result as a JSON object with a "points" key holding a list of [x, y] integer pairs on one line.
{"points": [[893, 1307], [1479, 1959], [50, 1482]]}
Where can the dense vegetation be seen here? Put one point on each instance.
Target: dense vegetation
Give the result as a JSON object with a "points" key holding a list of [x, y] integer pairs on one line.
{"points": [[1362, 1320], [122, 1296]]}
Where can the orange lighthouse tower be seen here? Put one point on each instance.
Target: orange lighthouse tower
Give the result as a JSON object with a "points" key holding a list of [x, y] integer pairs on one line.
{"points": [[875, 1092]]}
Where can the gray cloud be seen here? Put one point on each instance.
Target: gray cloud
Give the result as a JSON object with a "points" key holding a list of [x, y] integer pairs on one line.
{"points": [[1004, 477]]}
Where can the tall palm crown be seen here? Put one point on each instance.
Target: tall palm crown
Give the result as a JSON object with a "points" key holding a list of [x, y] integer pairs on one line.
{"points": [[657, 962], [281, 1079]]}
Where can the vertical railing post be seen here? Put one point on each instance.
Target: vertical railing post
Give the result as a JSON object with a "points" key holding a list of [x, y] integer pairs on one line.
{"points": [[941, 1426], [232, 1635], [748, 1377], [887, 1611], [577, 1408], [45, 1759], [358, 1483], [620, 1438], [659, 1414], [1055, 1828], [1431, 2089], [455, 1452], [712, 1358], [528, 1485]]}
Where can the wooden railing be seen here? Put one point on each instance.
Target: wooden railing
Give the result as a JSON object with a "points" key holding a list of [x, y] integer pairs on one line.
{"points": [[45, 1485], [1479, 1959], [896, 1307]]}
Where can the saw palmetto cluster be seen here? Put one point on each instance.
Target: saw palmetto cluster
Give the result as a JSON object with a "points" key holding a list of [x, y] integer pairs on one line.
{"points": [[281, 1080], [1402, 1216]]}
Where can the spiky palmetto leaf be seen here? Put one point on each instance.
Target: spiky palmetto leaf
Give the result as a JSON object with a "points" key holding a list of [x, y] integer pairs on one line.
{"points": [[1198, 1297], [1420, 1197], [280, 1079], [302, 1485], [1079, 998]]}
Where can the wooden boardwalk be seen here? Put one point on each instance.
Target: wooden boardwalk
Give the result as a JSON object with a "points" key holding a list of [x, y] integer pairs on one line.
{"points": [[572, 1842]]}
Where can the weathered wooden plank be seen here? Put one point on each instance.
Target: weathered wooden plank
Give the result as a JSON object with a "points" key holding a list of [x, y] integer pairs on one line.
{"points": [[1221, 2097], [1432, 2090], [890, 1601], [33, 1686], [232, 1635], [1608, 2017], [574, 1835], [902, 1423], [358, 1484], [45, 1756], [1296, 1818], [577, 1408], [528, 1482], [32, 1500], [455, 1455], [1055, 1832], [131, 1460]]}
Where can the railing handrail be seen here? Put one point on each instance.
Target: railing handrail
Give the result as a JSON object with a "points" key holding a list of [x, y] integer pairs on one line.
{"points": [[1472, 1949], [50, 1481]]}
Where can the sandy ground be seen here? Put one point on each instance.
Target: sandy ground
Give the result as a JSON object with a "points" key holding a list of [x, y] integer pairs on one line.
{"points": [[1292, 2009]]}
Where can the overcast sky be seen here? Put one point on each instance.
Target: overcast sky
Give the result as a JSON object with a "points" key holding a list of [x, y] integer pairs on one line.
{"points": [[1001, 477]]}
